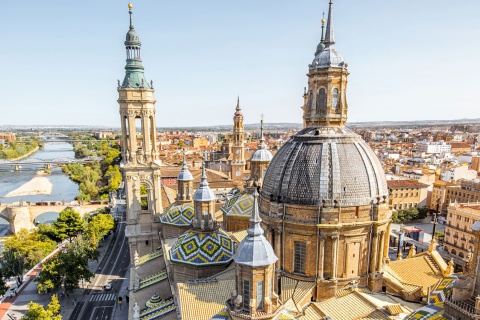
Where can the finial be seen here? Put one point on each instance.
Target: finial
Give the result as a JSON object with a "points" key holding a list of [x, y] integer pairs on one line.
{"points": [[130, 12], [255, 229], [323, 28], [329, 37], [262, 139], [204, 181], [238, 103]]}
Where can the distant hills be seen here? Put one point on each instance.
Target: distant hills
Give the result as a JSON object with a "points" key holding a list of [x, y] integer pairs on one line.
{"points": [[256, 126]]}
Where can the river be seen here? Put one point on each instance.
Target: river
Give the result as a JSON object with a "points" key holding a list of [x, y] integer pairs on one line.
{"points": [[63, 188]]}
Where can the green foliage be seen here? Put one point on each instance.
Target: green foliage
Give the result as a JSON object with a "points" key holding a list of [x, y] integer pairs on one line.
{"points": [[13, 263], [37, 312], [17, 149], [95, 179], [99, 226], [68, 224], [24, 250], [3, 287], [405, 215], [66, 269]]}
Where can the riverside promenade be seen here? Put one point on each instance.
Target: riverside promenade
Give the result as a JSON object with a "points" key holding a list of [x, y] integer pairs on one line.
{"points": [[15, 306]]}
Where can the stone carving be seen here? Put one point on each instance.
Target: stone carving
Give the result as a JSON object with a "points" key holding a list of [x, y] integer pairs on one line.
{"points": [[136, 311]]}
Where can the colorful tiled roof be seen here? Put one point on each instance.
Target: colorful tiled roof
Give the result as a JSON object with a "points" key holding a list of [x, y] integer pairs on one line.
{"points": [[150, 280], [150, 256], [198, 248], [158, 311], [178, 215], [240, 204], [222, 315], [432, 311]]}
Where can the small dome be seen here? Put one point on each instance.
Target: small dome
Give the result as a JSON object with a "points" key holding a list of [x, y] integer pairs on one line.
{"points": [[204, 193], [178, 215], [240, 204], [261, 155], [255, 250], [328, 57], [198, 248], [154, 301], [132, 38], [330, 164], [185, 174]]}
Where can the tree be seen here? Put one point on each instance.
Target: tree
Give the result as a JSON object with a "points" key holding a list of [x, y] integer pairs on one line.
{"points": [[3, 287], [99, 226], [13, 263], [68, 224], [66, 269], [32, 246], [37, 312]]}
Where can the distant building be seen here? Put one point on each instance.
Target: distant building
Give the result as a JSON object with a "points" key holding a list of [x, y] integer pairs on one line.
{"points": [[434, 147], [405, 194], [467, 192], [460, 147], [8, 137]]}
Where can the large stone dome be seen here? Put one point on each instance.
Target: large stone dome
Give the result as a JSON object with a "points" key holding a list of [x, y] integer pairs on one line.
{"points": [[325, 165]]}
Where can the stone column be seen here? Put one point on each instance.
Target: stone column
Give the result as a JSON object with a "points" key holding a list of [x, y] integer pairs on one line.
{"points": [[373, 251], [124, 136], [334, 256], [380, 252], [321, 257], [147, 147], [278, 248], [133, 135], [386, 244]]}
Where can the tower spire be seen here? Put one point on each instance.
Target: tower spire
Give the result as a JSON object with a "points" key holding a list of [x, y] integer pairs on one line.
{"points": [[255, 230], [330, 37], [261, 145], [238, 104], [321, 45], [134, 77]]}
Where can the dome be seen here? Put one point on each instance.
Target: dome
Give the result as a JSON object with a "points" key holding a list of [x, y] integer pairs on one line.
{"points": [[199, 248], [204, 193], [239, 205], [261, 155], [132, 38], [185, 174], [178, 215], [255, 250], [330, 164], [328, 57]]}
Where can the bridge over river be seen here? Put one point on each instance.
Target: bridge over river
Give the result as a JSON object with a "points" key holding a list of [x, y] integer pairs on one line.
{"points": [[22, 215], [46, 163]]}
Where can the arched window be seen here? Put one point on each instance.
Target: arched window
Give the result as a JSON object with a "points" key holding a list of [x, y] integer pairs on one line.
{"points": [[453, 251], [143, 197], [321, 100], [335, 98], [460, 254]]}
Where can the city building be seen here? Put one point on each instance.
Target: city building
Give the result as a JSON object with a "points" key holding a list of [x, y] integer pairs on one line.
{"points": [[439, 195], [459, 239], [434, 147], [466, 191], [405, 194], [457, 172]]}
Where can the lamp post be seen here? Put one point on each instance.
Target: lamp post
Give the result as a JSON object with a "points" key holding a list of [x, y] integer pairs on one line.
{"points": [[400, 240]]}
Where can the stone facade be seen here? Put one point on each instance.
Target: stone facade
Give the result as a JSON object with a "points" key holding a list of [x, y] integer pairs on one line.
{"points": [[459, 239]]}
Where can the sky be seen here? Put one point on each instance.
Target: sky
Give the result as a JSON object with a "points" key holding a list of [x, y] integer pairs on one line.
{"points": [[408, 59]]}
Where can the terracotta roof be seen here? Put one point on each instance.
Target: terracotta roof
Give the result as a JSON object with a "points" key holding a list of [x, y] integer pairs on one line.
{"points": [[406, 184], [202, 301]]}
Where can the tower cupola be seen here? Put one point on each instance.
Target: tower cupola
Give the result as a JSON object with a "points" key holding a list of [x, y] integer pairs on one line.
{"points": [[185, 183], [134, 76]]}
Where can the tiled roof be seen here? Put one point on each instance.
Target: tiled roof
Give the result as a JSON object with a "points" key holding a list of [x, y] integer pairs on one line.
{"points": [[178, 215], [203, 301], [238, 236], [203, 248], [376, 315], [222, 315], [168, 196], [410, 183], [240, 204], [420, 270], [348, 307]]}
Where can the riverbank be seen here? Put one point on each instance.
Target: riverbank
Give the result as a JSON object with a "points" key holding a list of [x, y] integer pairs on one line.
{"points": [[28, 154], [38, 185]]}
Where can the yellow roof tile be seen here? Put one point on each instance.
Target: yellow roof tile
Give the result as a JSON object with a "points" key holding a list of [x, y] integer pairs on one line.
{"points": [[202, 301], [420, 270], [348, 307]]}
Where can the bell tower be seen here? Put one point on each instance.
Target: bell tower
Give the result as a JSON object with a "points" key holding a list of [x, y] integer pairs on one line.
{"points": [[238, 148], [140, 159], [325, 101]]}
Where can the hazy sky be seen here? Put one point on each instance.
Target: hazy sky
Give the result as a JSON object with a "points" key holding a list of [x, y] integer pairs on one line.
{"points": [[408, 59]]}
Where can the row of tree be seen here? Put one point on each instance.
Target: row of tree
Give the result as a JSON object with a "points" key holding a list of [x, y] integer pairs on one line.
{"points": [[17, 149], [96, 180], [65, 270]]}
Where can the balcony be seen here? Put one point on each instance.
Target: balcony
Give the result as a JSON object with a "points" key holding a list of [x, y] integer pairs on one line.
{"points": [[455, 236]]}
